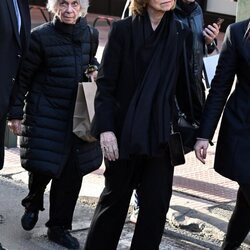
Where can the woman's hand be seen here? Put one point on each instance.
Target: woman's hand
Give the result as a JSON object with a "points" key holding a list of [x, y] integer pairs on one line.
{"points": [[211, 32], [91, 72], [15, 126], [200, 149], [109, 145], [93, 75]]}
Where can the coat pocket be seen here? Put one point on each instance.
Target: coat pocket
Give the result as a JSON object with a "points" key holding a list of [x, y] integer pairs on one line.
{"points": [[89, 156]]}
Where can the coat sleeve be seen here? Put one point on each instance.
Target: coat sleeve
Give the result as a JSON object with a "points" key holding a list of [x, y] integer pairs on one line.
{"points": [[29, 68], [221, 86], [95, 47], [107, 80]]}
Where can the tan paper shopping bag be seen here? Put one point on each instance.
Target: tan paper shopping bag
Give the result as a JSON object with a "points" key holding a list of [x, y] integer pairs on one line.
{"points": [[84, 110]]}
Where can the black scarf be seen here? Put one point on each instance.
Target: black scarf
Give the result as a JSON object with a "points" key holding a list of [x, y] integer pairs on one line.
{"points": [[147, 125], [187, 8]]}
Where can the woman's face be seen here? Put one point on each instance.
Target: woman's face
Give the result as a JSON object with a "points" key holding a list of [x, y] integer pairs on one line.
{"points": [[161, 5], [68, 11]]}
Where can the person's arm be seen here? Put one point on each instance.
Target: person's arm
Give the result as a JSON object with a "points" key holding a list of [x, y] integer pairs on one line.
{"points": [[29, 67], [109, 145], [200, 149], [107, 81], [94, 46], [218, 94], [210, 33], [105, 102], [210, 48]]}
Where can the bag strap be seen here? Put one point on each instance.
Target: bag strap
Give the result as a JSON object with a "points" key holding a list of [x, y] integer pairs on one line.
{"points": [[188, 82]]}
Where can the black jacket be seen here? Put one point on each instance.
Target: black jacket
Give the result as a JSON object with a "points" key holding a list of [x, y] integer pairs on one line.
{"points": [[58, 56], [233, 146], [195, 22], [12, 48]]}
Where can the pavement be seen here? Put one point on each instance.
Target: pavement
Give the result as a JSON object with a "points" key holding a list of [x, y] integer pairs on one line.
{"points": [[201, 204]]}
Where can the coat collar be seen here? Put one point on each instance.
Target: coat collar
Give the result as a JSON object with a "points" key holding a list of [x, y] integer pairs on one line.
{"points": [[246, 41], [74, 31], [26, 24], [247, 33]]}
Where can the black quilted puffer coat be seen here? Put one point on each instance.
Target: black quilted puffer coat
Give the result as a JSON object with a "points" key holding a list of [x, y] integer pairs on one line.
{"points": [[59, 54]]}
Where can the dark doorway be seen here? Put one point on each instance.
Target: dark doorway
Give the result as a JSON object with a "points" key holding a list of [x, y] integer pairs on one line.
{"points": [[107, 7]]}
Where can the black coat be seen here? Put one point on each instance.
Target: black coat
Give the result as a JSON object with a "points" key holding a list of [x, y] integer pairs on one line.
{"points": [[58, 56], [12, 48], [195, 23], [232, 158], [116, 83]]}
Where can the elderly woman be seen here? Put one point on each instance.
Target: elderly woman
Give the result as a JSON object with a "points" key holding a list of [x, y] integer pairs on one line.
{"points": [[59, 54], [190, 13], [136, 85]]}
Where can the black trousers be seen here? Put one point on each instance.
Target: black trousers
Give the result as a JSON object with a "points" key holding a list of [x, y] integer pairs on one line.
{"points": [[239, 224], [2, 134], [154, 178], [63, 194]]}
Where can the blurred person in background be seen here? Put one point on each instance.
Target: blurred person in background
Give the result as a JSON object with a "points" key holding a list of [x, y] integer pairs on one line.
{"points": [[203, 42], [59, 54]]}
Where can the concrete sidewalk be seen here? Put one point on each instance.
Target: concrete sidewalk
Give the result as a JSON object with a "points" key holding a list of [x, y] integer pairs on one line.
{"points": [[200, 207], [201, 204]]}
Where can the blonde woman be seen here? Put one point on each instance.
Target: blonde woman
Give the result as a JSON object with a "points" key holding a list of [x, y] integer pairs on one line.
{"points": [[136, 83], [59, 54]]}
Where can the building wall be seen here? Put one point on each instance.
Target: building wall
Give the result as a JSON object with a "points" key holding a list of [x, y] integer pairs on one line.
{"points": [[243, 10], [226, 7]]}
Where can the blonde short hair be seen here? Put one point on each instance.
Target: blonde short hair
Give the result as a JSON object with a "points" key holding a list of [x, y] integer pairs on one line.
{"points": [[52, 6], [137, 7]]}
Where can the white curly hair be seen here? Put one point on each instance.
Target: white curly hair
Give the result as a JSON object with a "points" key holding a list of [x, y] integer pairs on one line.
{"points": [[52, 6]]}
